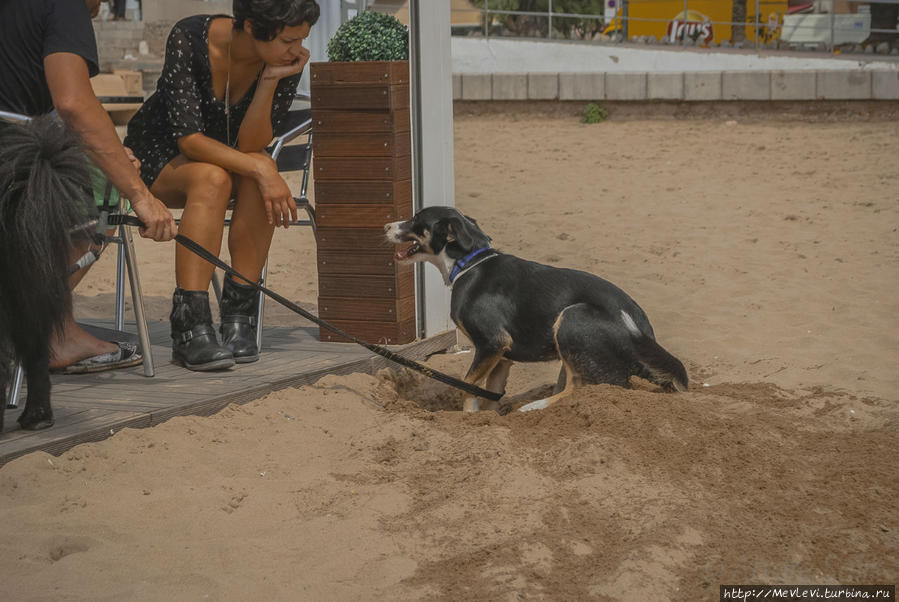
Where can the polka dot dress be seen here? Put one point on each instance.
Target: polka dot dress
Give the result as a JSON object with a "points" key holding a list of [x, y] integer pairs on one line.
{"points": [[185, 103]]}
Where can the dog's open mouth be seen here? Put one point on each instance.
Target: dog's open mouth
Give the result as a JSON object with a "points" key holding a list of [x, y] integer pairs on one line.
{"points": [[407, 252]]}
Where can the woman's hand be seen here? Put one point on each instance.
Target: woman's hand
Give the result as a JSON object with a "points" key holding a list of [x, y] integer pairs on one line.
{"points": [[280, 208], [279, 72]]}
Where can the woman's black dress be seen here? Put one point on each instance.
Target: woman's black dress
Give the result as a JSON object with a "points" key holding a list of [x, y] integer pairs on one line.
{"points": [[185, 103]]}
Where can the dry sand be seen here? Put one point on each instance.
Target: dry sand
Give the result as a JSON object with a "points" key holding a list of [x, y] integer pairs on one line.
{"points": [[766, 255]]}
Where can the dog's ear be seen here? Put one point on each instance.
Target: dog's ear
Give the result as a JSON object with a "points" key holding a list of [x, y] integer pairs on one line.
{"points": [[465, 232], [439, 236], [478, 228]]}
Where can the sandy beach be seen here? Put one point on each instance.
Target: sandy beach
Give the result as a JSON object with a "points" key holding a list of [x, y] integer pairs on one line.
{"points": [[765, 252]]}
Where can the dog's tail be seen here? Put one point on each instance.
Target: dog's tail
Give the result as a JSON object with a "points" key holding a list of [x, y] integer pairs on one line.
{"points": [[658, 365], [44, 192]]}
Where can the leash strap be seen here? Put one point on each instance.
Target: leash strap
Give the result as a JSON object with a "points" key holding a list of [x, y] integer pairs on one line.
{"points": [[195, 248]]}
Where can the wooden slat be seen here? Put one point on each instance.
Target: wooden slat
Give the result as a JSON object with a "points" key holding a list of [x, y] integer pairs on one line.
{"points": [[372, 72], [375, 263], [363, 191], [325, 120], [366, 168], [379, 310], [366, 286], [352, 239], [379, 333], [355, 97], [372, 144], [359, 216]]}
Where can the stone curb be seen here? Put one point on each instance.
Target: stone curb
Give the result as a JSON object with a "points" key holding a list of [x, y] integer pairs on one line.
{"points": [[686, 86]]}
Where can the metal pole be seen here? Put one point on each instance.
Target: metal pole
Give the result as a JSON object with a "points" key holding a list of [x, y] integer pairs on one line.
{"points": [[757, 20], [486, 18], [12, 401], [683, 37], [120, 284], [137, 296], [549, 15], [625, 18], [421, 309], [833, 22]]}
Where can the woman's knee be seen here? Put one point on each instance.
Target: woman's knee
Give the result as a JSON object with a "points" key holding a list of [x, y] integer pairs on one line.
{"points": [[211, 182]]}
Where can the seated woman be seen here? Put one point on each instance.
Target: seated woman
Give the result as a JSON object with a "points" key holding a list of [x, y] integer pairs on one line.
{"points": [[226, 85]]}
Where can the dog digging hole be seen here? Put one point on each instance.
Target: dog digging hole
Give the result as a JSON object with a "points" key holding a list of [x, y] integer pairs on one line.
{"points": [[414, 390]]}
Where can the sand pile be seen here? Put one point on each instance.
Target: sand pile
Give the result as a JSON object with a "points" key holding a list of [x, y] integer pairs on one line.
{"points": [[766, 256]]}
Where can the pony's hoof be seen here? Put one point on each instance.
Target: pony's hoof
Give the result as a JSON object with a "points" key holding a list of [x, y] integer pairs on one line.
{"points": [[35, 423]]}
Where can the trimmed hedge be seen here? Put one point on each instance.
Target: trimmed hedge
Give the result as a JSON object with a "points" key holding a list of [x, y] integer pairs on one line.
{"points": [[370, 36]]}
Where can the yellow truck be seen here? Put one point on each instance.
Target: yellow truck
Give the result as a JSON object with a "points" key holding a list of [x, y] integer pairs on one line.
{"points": [[705, 21]]}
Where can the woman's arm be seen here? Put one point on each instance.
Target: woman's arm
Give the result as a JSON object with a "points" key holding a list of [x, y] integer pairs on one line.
{"points": [[256, 129], [200, 147], [280, 208]]}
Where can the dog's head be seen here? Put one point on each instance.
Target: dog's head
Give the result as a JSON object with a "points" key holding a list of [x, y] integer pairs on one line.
{"points": [[440, 235]]}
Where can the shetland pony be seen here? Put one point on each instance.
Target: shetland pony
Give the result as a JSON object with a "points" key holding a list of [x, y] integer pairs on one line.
{"points": [[44, 195]]}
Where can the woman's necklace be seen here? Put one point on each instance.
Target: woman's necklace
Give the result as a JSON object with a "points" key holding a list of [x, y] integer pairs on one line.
{"points": [[228, 96]]}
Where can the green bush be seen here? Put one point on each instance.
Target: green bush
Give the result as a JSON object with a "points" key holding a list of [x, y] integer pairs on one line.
{"points": [[370, 36], [593, 113]]}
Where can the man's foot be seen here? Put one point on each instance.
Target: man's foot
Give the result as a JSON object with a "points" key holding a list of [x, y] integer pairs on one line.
{"points": [[75, 345], [125, 356]]}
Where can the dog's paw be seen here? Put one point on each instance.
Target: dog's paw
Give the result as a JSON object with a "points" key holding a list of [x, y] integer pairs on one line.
{"points": [[540, 404]]}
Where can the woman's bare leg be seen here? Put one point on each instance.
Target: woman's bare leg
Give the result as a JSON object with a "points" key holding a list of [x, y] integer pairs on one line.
{"points": [[203, 190], [250, 235]]}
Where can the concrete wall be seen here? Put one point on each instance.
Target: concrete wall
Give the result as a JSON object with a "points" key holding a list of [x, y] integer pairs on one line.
{"points": [[174, 10], [686, 86]]}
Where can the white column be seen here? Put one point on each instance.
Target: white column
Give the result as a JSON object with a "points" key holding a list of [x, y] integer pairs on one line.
{"points": [[431, 87], [319, 35]]}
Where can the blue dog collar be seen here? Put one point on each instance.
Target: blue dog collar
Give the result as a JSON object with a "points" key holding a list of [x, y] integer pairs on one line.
{"points": [[461, 264]]}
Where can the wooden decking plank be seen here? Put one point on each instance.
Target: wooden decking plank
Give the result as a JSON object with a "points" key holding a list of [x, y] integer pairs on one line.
{"points": [[12, 432], [59, 439], [87, 407]]}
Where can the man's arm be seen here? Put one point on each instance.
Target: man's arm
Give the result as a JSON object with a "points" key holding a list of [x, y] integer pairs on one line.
{"points": [[69, 82]]}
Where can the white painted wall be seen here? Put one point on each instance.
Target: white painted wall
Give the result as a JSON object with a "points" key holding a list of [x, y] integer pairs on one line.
{"points": [[496, 55]]}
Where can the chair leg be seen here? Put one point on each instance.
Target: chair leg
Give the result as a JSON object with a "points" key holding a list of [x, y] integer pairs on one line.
{"points": [[137, 300], [261, 310], [12, 401], [217, 287], [120, 288], [310, 211]]}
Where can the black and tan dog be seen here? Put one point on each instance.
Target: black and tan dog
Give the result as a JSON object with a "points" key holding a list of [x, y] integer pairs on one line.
{"points": [[514, 310], [44, 193]]}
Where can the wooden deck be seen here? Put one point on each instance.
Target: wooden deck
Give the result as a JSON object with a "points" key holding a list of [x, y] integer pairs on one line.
{"points": [[91, 407]]}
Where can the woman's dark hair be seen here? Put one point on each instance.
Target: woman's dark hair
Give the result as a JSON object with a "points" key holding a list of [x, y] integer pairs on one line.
{"points": [[268, 17]]}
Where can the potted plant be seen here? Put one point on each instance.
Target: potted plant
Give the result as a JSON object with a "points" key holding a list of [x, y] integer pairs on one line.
{"points": [[362, 166]]}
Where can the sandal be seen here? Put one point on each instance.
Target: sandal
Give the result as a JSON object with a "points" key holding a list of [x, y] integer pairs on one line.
{"points": [[125, 356]]}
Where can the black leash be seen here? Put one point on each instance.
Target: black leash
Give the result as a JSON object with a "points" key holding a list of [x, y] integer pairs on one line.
{"points": [[195, 248]]}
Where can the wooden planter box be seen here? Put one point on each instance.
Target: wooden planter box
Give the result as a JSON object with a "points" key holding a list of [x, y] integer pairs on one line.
{"points": [[362, 166]]}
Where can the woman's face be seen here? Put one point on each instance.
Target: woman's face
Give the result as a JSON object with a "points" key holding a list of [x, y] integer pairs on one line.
{"points": [[285, 48]]}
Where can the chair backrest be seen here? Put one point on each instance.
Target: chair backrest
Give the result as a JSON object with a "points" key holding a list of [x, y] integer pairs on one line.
{"points": [[294, 157]]}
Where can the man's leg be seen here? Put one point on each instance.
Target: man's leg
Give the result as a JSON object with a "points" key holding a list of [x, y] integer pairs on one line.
{"points": [[74, 343], [119, 7]]}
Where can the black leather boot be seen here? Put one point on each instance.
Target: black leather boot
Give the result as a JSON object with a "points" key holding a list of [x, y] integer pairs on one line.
{"points": [[239, 306], [194, 345]]}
